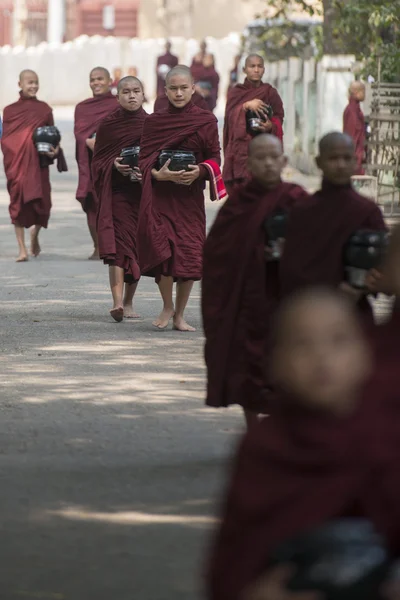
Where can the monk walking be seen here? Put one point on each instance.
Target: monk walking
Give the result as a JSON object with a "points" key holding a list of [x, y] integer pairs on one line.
{"points": [[88, 115], [354, 122], [252, 95], [171, 231], [27, 172], [318, 232], [119, 190], [165, 62], [237, 314]]}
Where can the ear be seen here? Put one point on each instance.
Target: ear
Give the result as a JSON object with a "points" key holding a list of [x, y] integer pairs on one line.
{"points": [[193, 89]]}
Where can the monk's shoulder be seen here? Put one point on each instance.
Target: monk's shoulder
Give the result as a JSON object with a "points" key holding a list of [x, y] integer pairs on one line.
{"points": [[206, 116]]}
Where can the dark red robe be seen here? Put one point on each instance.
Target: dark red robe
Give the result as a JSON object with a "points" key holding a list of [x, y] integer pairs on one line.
{"points": [[119, 198], [208, 75], [240, 292], [28, 180], [88, 115], [172, 223], [317, 234], [236, 138], [162, 102], [166, 59], [297, 470], [354, 126]]}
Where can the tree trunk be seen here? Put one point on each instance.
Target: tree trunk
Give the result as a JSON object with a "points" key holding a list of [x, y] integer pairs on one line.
{"points": [[333, 44]]}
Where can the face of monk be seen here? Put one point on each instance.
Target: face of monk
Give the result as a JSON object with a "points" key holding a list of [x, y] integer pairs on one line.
{"points": [[99, 82], [321, 357], [254, 69], [29, 84], [179, 89], [131, 95], [338, 161], [266, 160], [357, 91]]}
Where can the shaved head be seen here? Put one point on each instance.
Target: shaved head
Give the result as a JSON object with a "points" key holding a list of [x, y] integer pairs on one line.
{"points": [[264, 141], [103, 70], [356, 86], [182, 71], [128, 79], [336, 138], [251, 57], [27, 73]]}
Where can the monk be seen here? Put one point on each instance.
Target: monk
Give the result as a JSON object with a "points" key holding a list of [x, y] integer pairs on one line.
{"points": [[172, 223], [313, 460], [162, 102], [317, 233], [252, 95], [165, 62], [118, 189], [237, 314], [88, 115], [354, 122], [206, 80], [27, 172]]}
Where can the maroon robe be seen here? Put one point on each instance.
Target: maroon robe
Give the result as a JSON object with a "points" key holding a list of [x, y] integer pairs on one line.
{"points": [[172, 224], [162, 102], [207, 75], [354, 126], [237, 312], [294, 471], [88, 115], [317, 234], [27, 173], [166, 59], [236, 138], [119, 198]]}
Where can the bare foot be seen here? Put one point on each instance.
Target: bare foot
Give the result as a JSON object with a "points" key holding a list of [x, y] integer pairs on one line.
{"points": [[164, 318], [117, 314], [95, 255], [23, 257], [181, 325], [35, 246], [129, 313]]}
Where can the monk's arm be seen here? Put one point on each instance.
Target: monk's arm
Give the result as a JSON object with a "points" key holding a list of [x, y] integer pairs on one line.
{"points": [[349, 123], [278, 113], [212, 148]]}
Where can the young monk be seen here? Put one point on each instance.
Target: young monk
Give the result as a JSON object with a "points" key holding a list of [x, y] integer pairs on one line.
{"points": [[253, 95], [354, 122], [313, 460], [119, 196], [237, 314], [27, 172], [317, 233], [162, 102], [88, 115], [171, 231]]}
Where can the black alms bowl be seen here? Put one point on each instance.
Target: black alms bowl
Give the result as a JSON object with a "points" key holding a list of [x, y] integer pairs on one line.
{"points": [[130, 156], [254, 120], [180, 159], [345, 559], [275, 229], [365, 250], [45, 138]]}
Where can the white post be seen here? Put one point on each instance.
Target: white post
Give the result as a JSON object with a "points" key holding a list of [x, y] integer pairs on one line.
{"points": [[20, 16], [55, 21]]}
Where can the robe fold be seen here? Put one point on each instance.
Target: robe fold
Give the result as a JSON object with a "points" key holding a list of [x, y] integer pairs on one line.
{"points": [[240, 292], [162, 102], [166, 59], [28, 180], [118, 197], [317, 235], [236, 139], [88, 115], [354, 126], [208, 75], [172, 224], [295, 471]]}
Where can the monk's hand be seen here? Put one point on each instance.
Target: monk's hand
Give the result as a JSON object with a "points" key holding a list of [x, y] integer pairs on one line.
{"points": [[136, 174], [273, 586], [53, 152], [352, 293], [257, 106], [164, 174], [375, 283], [125, 170], [188, 177], [90, 143], [265, 127]]}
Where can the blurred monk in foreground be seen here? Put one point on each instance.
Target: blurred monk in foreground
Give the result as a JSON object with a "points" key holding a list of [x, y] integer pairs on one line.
{"points": [[238, 314], [354, 123], [27, 172], [88, 115], [315, 459]]}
